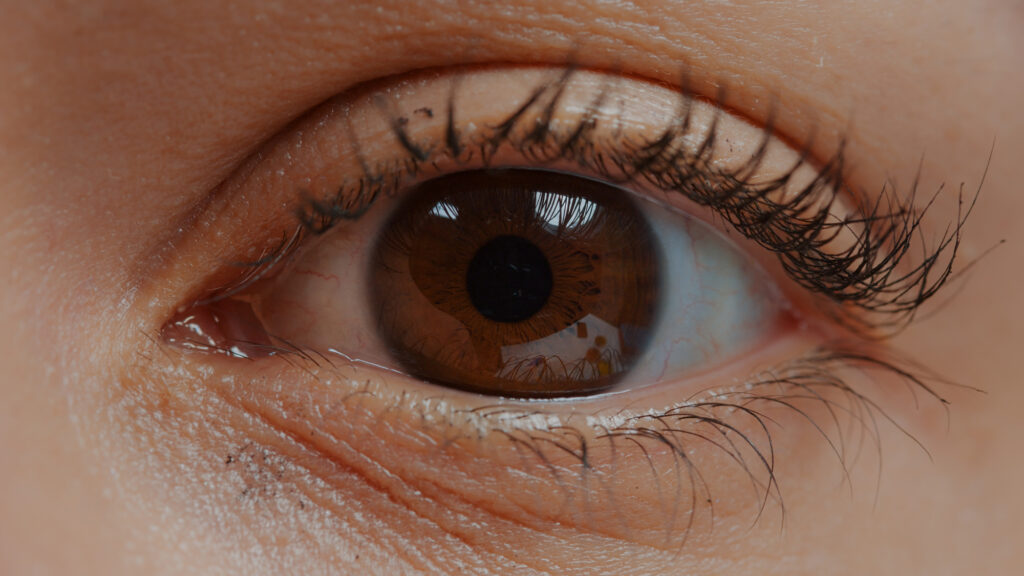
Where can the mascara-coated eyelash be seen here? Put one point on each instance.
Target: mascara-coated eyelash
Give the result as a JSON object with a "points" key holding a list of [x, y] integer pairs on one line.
{"points": [[867, 256]]}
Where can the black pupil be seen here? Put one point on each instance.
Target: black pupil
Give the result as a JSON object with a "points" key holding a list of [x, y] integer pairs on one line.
{"points": [[509, 279]]}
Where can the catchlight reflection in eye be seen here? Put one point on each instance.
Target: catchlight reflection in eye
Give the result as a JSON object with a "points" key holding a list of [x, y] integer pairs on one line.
{"points": [[529, 283]]}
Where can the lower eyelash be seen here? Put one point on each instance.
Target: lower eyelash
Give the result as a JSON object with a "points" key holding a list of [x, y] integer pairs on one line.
{"points": [[796, 386], [739, 423], [876, 284]]}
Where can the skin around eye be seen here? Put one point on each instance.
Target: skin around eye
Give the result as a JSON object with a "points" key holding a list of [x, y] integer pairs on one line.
{"points": [[121, 122], [657, 465]]}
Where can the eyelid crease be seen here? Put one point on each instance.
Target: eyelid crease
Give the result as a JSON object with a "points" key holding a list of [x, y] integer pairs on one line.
{"points": [[868, 258]]}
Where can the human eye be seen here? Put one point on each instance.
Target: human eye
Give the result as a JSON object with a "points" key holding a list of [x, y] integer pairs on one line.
{"points": [[565, 297]]}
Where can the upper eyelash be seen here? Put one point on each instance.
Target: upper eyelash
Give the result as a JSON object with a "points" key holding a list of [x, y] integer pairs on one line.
{"points": [[879, 281]]}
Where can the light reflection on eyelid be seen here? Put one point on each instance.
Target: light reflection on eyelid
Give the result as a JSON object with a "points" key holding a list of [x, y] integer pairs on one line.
{"points": [[356, 143]]}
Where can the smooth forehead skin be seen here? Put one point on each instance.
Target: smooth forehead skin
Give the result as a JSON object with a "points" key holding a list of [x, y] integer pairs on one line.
{"points": [[116, 118]]}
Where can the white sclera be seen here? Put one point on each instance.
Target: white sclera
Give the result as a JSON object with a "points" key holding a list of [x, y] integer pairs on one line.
{"points": [[717, 302]]}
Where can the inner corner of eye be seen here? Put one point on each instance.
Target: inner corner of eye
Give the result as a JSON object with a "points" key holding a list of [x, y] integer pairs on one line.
{"points": [[226, 326], [508, 282]]}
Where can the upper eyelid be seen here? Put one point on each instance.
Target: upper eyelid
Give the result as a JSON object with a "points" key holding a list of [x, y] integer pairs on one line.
{"points": [[865, 288], [284, 145]]}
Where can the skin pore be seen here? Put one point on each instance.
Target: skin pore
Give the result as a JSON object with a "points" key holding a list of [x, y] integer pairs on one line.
{"points": [[120, 124]]}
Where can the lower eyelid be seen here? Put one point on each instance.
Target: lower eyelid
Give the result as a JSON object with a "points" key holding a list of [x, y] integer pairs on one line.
{"points": [[549, 464], [527, 469]]}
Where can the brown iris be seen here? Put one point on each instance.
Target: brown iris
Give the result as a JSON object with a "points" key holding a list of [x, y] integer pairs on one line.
{"points": [[517, 283]]}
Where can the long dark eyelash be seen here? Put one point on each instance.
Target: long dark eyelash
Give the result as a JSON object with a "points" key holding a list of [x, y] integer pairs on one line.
{"points": [[877, 282]]}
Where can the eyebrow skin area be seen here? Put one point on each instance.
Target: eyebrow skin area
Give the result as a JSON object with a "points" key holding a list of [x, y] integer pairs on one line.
{"points": [[122, 122]]}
